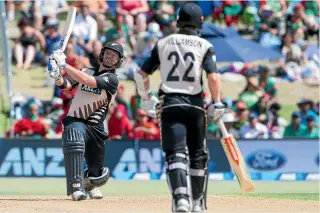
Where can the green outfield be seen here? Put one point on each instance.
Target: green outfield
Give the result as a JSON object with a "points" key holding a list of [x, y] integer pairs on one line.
{"points": [[56, 186]]}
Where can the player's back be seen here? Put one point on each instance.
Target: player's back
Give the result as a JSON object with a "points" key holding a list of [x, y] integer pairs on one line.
{"points": [[181, 56]]}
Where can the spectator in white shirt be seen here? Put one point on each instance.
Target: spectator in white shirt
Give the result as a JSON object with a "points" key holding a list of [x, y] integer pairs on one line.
{"points": [[85, 29], [50, 8], [254, 129]]}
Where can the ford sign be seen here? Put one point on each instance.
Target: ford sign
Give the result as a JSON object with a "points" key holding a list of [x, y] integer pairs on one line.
{"points": [[318, 159], [266, 160]]}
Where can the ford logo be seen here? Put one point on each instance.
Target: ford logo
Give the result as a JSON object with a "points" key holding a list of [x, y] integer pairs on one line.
{"points": [[266, 160], [318, 159]]}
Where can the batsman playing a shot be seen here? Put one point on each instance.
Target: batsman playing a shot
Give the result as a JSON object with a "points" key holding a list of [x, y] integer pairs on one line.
{"points": [[182, 57], [84, 134]]}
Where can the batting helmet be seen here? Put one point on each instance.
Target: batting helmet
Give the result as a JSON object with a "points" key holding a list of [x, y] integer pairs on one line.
{"points": [[113, 46], [190, 14]]}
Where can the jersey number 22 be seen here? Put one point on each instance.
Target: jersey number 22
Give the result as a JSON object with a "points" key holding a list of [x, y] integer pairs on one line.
{"points": [[185, 77]]}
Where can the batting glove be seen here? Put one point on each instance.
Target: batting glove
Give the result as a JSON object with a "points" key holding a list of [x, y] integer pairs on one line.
{"points": [[216, 111], [149, 106], [54, 70], [59, 57]]}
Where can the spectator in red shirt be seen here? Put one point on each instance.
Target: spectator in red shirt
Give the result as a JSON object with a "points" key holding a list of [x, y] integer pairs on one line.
{"points": [[119, 123], [134, 12], [31, 125], [144, 129]]}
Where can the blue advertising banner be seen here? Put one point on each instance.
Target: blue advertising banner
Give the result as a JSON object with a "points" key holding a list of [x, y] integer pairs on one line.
{"points": [[281, 156], [121, 158], [266, 160], [25, 158]]}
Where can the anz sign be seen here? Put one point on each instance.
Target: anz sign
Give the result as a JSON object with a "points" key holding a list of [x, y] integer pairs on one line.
{"points": [[146, 161], [27, 161]]}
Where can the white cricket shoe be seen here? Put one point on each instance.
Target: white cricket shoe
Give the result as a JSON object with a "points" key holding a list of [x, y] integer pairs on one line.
{"points": [[78, 195], [95, 193], [197, 206], [183, 205]]}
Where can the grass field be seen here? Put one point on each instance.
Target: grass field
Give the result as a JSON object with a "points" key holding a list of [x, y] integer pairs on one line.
{"points": [[48, 195], [56, 186]]}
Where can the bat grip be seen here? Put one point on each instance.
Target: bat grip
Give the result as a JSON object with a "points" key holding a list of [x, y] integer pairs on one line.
{"points": [[223, 129]]}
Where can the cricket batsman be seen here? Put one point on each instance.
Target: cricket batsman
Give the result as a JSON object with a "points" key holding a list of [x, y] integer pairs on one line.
{"points": [[84, 135]]}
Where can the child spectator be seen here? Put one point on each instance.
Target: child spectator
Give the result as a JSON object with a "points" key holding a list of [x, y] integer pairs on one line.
{"points": [[144, 129], [119, 123]]}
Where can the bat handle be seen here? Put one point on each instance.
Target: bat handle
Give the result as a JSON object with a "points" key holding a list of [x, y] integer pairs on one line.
{"points": [[223, 129]]}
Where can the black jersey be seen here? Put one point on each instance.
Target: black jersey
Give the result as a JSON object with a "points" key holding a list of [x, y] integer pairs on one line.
{"points": [[91, 104]]}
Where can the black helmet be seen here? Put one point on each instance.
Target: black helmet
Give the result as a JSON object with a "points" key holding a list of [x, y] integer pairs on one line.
{"points": [[113, 46], [190, 15]]}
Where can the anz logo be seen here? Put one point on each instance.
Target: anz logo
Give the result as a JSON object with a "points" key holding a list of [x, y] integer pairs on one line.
{"points": [[29, 161], [90, 89]]}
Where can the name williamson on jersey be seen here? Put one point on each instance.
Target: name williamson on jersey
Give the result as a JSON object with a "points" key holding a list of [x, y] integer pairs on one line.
{"points": [[184, 41]]}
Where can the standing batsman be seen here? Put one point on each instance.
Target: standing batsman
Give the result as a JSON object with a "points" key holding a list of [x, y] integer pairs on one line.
{"points": [[181, 58], [84, 135]]}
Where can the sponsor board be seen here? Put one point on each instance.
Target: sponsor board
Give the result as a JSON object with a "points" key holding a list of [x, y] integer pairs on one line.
{"points": [[127, 159], [265, 160]]}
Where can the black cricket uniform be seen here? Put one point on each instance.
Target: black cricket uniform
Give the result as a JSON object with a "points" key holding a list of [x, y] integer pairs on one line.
{"points": [[181, 113], [84, 133]]}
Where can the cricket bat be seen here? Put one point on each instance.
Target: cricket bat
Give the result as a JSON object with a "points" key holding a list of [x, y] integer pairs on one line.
{"points": [[235, 159], [67, 30]]}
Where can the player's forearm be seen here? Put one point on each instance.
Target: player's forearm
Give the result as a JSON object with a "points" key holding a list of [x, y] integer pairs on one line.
{"points": [[214, 84], [80, 77], [59, 83]]}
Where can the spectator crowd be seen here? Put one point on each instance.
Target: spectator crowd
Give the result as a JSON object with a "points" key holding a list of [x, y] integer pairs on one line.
{"points": [[285, 26]]}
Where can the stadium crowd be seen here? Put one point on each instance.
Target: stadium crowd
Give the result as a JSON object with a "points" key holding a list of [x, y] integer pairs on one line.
{"points": [[281, 25]]}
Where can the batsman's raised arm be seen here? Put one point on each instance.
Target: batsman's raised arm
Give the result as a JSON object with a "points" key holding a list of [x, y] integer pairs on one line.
{"points": [[81, 76]]}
